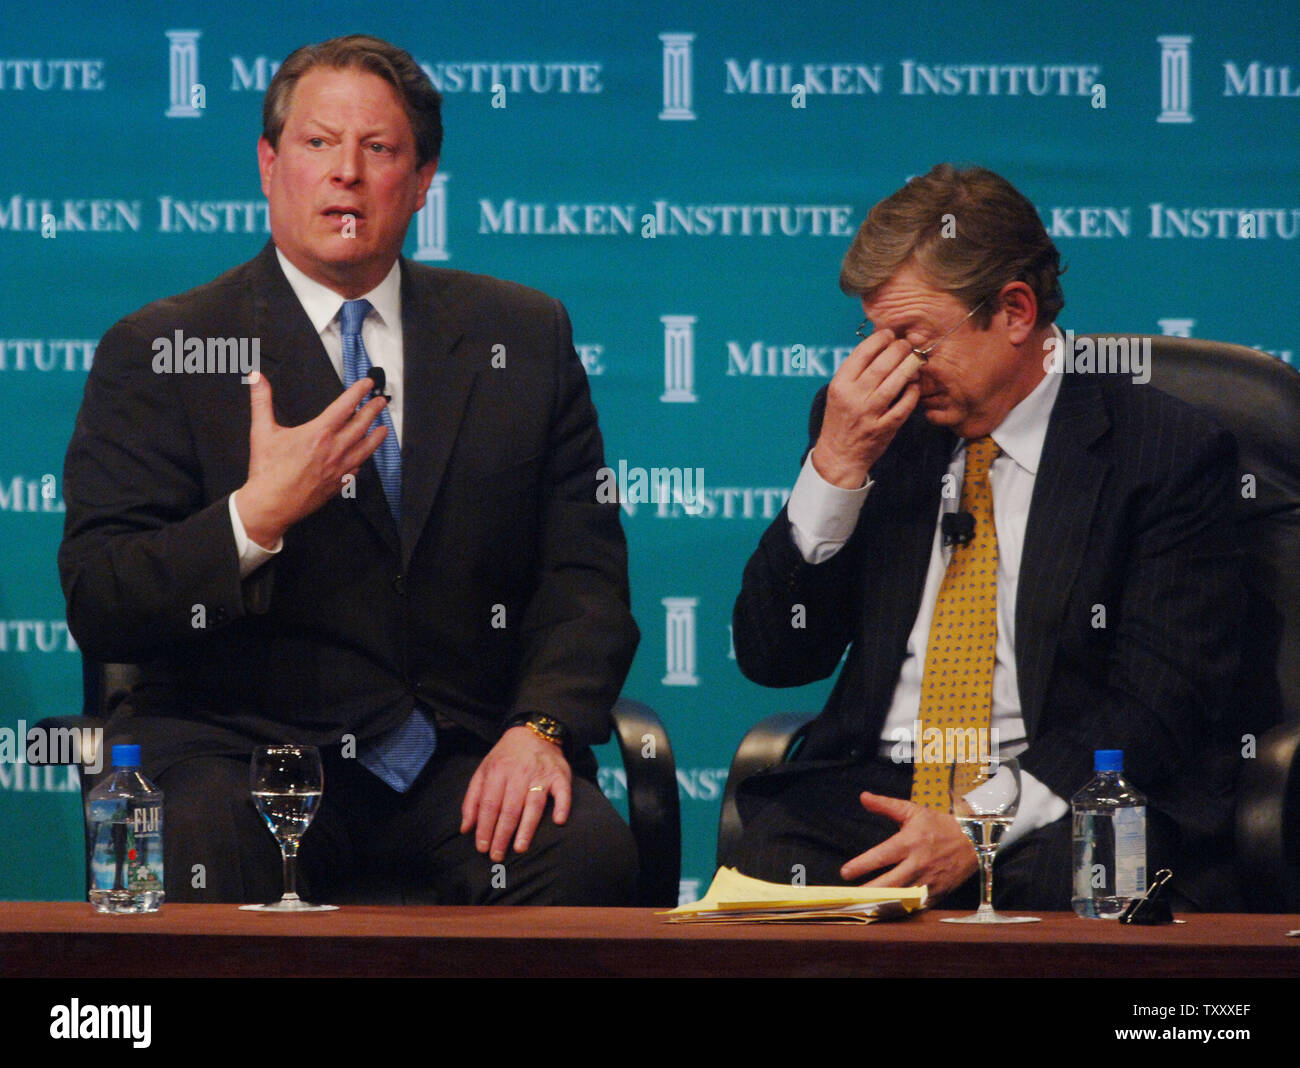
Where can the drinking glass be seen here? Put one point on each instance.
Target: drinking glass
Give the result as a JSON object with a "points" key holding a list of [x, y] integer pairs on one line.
{"points": [[287, 782], [985, 796]]}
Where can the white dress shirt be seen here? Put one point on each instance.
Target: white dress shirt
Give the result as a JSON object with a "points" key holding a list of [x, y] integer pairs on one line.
{"points": [[822, 517], [381, 334]]}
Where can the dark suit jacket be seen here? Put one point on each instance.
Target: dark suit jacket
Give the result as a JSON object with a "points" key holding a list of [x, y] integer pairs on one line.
{"points": [[1130, 518], [504, 591]]}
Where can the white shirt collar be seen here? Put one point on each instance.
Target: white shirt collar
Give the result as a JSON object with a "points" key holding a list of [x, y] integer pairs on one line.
{"points": [[1021, 434], [322, 304]]}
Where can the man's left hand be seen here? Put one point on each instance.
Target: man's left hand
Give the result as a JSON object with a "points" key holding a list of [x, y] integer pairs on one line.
{"points": [[930, 848], [508, 793]]}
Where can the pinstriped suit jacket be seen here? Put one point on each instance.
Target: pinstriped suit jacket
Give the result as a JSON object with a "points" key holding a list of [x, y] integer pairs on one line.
{"points": [[1130, 511]]}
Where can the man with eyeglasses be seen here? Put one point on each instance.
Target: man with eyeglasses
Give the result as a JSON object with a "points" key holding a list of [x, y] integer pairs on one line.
{"points": [[1040, 563]]}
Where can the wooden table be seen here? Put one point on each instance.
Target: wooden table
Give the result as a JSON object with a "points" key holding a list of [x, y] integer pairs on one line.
{"points": [[69, 940]]}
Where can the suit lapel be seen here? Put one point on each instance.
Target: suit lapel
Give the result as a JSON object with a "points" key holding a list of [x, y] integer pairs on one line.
{"points": [[303, 380], [1071, 474], [438, 380]]}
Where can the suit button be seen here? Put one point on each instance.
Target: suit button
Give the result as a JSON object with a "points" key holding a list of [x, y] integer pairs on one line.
{"points": [[399, 585]]}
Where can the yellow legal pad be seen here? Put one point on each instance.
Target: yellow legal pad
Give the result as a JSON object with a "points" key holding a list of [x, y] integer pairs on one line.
{"points": [[736, 898]]}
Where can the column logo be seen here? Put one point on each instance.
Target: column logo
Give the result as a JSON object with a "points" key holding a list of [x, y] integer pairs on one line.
{"points": [[680, 623], [679, 359], [183, 73], [1175, 78], [678, 82], [431, 223]]}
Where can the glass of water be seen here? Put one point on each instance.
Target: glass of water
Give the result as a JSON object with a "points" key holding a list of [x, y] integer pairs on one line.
{"points": [[287, 782], [985, 797]]}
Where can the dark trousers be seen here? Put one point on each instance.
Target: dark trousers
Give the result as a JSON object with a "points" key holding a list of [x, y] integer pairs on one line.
{"points": [[369, 844], [805, 820]]}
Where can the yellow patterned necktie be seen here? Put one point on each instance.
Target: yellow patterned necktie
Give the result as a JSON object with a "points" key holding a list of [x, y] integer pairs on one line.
{"points": [[957, 686]]}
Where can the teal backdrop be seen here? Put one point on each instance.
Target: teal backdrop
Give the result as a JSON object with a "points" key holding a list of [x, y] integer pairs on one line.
{"points": [[686, 178]]}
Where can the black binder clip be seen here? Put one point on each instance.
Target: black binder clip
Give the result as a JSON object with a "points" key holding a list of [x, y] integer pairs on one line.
{"points": [[1152, 910]]}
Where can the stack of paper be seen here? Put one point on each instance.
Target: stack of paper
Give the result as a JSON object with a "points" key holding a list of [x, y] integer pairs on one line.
{"points": [[736, 898]]}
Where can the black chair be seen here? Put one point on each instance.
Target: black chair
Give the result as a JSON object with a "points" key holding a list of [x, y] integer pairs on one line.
{"points": [[1257, 398], [653, 808], [653, 805]]}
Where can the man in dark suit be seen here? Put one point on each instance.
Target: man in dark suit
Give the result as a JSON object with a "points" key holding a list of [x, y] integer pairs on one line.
{"points": [[448, 620], [1111, 624]]}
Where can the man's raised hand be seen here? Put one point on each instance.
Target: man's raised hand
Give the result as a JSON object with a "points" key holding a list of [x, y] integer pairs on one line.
{"points": [[869, 398], [293, 471]]}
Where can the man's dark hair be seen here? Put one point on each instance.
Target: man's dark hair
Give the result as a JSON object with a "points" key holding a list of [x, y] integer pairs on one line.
{"points": [[423, 103], [968, 232]]}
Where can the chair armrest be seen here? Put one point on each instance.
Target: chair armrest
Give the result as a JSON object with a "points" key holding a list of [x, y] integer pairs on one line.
{"points": [[769, 742], [1268, 820], [654, 811]]}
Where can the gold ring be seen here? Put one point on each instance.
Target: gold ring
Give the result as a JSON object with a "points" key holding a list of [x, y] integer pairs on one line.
{"points": [[535, 789]]}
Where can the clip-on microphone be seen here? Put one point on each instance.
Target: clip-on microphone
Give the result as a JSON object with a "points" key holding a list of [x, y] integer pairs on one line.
{"points": [[380, 380], [958, 528]]}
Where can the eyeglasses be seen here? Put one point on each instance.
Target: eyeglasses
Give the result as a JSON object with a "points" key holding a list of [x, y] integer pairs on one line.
{"points": [[864, 331]]}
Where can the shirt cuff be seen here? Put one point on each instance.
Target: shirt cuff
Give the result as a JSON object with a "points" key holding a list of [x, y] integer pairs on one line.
{"points": [[251, 555], [1038, 807], [822, 516]]}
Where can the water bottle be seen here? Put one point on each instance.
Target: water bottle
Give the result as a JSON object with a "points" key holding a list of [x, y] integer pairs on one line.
{"points": [[1110, 841], [125, 813]]}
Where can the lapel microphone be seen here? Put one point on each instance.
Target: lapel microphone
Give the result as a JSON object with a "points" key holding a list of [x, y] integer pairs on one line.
{"points": [[958, 528], [376, 375]]}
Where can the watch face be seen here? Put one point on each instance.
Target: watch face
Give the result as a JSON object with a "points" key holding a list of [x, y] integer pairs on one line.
{"points": [[548, 728]]}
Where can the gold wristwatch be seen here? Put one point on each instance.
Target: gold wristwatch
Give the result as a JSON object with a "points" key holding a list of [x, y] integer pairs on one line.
{"points": [[546, 728]]}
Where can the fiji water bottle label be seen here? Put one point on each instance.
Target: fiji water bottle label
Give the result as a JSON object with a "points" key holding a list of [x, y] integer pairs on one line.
{"points": [[1131, 851], [127, 853]]}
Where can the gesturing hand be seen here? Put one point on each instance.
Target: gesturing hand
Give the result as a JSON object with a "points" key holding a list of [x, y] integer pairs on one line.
{"points": [[869, 398], [292, 471], [929, 848], [509, 791]]}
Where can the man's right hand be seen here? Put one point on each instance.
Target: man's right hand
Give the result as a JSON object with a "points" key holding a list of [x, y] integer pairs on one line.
{"points": [[293, 471], [870, 397]]}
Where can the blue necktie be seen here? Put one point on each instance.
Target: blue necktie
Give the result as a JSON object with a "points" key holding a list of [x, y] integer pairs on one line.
{"points": [[400, 755], [356, 365]]}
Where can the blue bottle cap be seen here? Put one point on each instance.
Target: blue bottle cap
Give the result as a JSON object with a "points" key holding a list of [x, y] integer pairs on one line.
{"points": [[1108, 760], [126, 756]]}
